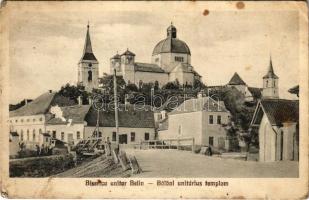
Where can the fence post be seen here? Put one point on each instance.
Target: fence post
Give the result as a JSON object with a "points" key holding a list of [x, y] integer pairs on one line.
{"points": [[178, 142], [193, 145], [169, 144]]}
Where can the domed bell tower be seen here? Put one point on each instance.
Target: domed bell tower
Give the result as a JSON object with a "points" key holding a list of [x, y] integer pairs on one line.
{"points": [[127, 66], [270, 84], [88, 66], [171, 31]]}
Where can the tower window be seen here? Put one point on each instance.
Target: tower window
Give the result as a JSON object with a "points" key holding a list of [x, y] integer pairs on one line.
{"points": [[178, 58], [90, 65], [89, 75]]}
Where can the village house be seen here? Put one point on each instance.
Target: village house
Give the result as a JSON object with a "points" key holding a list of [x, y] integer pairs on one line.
{"points": [[135, 124], [29, 121], [68, 123], [203, 119], [277, 121]]}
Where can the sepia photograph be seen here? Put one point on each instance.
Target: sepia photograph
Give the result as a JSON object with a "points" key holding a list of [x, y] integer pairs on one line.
{"points": [[156, 90]]}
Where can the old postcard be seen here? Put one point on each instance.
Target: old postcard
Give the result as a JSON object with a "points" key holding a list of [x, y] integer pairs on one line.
{"points": [[189, 99]]}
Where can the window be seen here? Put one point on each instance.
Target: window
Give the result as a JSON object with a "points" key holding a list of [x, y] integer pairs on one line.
{"points": [[16, 120], [21, 135], [46, 139], [211, 141], [28, 120], [41, 119], [146, 136], [114, 136], [90, 65], [22, 120], [132, 136], [33, 135], [178, 59], [100, 134], [89, 75], [34, 120], [40, 131], [157, 60], [62, 136], [266, 83], [218, 119], [78, 135], [54, 134], [211, 119], [27, 134]]}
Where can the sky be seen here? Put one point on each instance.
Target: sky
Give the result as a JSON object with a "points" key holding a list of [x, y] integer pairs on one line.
{"points": [[46, 41]]}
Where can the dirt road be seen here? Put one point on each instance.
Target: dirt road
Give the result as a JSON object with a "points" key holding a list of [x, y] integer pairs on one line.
{"points": [[174, 163]]}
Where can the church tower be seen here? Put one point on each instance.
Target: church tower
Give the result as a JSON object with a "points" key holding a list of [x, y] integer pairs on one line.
{"points": [[88, 66], [270, 84]]}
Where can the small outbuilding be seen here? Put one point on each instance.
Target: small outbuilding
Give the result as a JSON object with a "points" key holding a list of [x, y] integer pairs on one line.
{"points": [[277, 121]]}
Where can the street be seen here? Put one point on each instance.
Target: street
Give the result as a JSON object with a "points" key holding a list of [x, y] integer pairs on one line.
{"points": [[175, 163]]}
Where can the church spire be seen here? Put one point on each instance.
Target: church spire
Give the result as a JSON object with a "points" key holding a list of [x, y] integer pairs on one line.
{"points": [[270, 73], [87, 53]]}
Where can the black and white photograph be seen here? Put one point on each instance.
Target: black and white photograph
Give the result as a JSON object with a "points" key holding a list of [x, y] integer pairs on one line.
{"points": [[160, 90]]}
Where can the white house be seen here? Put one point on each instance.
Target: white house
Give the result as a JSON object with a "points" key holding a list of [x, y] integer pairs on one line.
{"points": [[203, 119], [277, 121]]}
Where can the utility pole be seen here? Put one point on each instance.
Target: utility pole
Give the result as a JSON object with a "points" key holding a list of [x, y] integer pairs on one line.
{"points": [[116, 106]]}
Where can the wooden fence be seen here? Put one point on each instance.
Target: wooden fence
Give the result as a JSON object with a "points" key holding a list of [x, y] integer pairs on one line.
{"points": [[175, 143]]}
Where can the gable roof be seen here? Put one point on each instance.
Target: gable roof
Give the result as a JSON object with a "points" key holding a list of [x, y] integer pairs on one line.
{"points": [[199, 104], [147, 67], [40, 105], [128, 53], [236, 80], [128, 116], [278, 111], [75, 113]]}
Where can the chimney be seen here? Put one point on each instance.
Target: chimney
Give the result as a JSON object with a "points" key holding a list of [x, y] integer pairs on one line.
{"points": [[80, 101], [26, 101]]}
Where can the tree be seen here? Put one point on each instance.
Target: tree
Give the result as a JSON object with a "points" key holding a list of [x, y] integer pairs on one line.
{"points": [[131, 88], [73, 92], [108, 82], [198, 84], [171, 86]]}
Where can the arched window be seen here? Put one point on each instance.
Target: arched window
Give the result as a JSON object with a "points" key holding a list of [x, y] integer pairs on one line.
{"points": [[90, 65], [266, 83], [89, 75]]}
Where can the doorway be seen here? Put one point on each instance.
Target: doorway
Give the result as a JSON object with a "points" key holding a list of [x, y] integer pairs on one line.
{"points": [[123, 139], [70, 138]]}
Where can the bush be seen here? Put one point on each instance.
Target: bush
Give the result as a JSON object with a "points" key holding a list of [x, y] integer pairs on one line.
{"points": [[41, 166]]}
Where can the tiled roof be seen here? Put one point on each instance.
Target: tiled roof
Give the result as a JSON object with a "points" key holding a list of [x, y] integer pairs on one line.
{"points": [[294, 90], [256, 92], [147, 67], [76, 113], [279, 111], [128, 116], [38, 106], [14, 134], [236, 80], [199, 104]]}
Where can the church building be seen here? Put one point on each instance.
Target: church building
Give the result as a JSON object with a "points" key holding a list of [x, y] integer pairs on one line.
{"points": [[88, 66], [170, 61]]}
